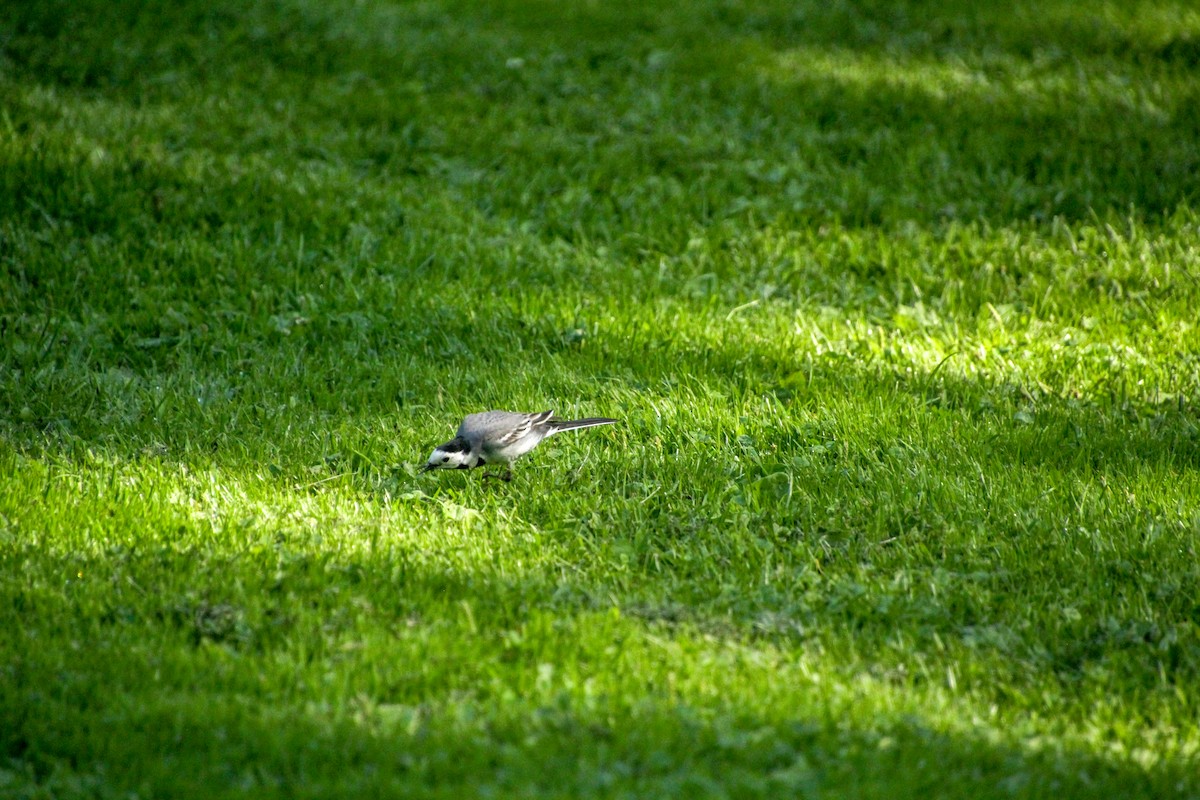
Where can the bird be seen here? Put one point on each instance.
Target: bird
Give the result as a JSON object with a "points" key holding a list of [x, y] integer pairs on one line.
{"points": [[501, 437]]}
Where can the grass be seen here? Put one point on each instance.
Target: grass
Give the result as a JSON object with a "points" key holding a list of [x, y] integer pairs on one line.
{"points": [[896, 303]]}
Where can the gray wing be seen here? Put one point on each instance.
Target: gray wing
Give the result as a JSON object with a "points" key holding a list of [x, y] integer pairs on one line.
{"points": [[501, 427]]}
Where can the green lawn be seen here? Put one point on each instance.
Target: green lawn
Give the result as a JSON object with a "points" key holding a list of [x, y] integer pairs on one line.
{"points": [[898, 303]]}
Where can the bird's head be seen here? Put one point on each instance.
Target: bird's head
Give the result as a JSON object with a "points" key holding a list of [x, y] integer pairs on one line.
{"points": [[454, 454]]}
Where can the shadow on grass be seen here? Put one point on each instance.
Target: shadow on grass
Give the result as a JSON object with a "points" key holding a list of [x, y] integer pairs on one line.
{"points": [[556, 751], [423, 707], [876, 113]]}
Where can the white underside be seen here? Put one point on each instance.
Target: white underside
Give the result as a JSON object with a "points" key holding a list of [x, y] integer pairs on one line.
{"points": [[510, 453]]}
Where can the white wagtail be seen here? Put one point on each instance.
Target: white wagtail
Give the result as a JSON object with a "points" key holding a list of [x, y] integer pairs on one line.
{"points": [[501, 437]]}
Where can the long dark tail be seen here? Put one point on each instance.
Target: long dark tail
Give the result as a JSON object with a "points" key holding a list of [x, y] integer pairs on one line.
{"points": [[560, 425]]}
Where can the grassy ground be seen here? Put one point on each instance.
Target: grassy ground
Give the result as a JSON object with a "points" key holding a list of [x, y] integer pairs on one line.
{"points": [[896, 301]]}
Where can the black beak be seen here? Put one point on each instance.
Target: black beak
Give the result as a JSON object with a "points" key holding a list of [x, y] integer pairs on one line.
{"points": [[428, 468]]}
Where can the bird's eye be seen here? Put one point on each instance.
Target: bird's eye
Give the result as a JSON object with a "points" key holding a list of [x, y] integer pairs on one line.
{"points": [[445, 459]]}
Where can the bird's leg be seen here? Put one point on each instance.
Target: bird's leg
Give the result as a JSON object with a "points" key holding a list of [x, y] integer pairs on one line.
{"points": [[505, 476]]}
